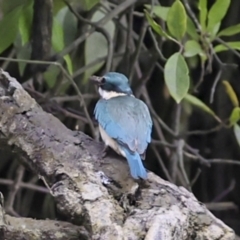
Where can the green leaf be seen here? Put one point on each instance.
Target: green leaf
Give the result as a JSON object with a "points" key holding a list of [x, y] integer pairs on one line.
{"points": [[156, 27], [9, 28], [214, 31], [58, 42], [198, 103], [202, 6], [235, 116], [22, 52], [58, 5], [96, 45], [25, 22], [70, 26], [231, 93], [236, 130], [159, 11], [57, 36], [89, 4], [192, 48], [217, 13], [68, 61], [221, 47], [176, 75], [50, 76], [7, 6], [230, 31], [177, 20], [191, 29]]}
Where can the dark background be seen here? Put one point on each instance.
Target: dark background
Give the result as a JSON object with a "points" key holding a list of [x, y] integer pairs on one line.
{"points": [[218, 186]]}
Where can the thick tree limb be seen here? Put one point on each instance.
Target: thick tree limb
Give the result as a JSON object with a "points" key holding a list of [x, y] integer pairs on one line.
{"points": [[27, 228], [113, 207]]}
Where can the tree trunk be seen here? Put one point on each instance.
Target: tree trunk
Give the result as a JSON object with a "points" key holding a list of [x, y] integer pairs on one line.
{"points": [[100, 200]]}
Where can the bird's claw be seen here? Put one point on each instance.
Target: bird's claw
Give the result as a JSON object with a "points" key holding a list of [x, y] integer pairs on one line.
{"points": [[104, 152], [103, 155]]}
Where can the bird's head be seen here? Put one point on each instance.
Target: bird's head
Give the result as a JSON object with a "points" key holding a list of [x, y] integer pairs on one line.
{"points": [[112, 84]]}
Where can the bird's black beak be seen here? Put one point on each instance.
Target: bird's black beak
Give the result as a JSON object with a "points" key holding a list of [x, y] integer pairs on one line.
{"points": [[97, 80]]}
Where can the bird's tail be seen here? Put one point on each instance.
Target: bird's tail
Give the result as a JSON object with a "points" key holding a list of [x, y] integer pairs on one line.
{"points": [[135, 163]]}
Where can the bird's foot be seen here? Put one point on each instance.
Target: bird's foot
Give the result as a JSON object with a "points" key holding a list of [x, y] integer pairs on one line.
{"points": [[103, 154]]}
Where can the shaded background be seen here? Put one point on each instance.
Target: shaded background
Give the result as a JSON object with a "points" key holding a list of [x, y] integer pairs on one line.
{"points": [[46, 30]]}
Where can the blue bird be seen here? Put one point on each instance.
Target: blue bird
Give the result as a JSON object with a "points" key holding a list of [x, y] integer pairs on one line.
{"points": [[124, 121]]}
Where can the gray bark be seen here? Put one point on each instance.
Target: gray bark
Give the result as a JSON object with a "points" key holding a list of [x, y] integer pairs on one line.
{"points": [[101, 201]]}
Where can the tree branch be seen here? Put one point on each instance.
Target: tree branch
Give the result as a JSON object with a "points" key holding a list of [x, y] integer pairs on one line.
{"points": [[101, 199]]}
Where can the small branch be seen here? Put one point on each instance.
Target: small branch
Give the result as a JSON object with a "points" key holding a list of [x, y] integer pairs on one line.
{"points": [[81, 98], [204, 132], [99, 29], [155, 42], [196, 177], [24, 185], [180, 146], [162, 165], [120, 8], [225, 192], [13, 192], [192, 15], [236, 53], [138, 49], [213, 89], [93, 63], [224, 161]]}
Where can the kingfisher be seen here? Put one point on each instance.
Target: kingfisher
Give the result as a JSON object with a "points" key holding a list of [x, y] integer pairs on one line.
{"points": [[125, 124]]}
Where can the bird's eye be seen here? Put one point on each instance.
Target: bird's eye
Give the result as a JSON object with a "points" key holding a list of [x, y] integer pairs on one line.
{"points": [[103, 80]]}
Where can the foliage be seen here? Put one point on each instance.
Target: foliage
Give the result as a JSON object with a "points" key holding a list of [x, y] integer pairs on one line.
{"points": [[178, 54]]}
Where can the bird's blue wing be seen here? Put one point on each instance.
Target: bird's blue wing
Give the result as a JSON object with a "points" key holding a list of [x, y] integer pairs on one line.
{"points": [[127, 120]]}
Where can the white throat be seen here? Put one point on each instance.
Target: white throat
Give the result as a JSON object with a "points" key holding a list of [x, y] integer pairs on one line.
{"points": [[109, 94]]}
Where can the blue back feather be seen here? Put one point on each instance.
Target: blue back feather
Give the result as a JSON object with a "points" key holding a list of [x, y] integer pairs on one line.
{"points": [[127, 120]]}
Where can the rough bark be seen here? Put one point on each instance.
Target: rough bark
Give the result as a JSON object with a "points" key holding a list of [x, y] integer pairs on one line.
{"points": [[101, 201]]}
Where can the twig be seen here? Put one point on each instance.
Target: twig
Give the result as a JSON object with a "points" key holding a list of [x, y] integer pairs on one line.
{"points": [[204, 132], [175, 156], [81, 98], [161, 143], [121, 7], [139, 46], [156, 123], [11, 55], [192, 15], [128, 48], [162, 165], [201, 76], [196, 177], [227, 46], [60, 99], [213, 89], [144, 79], [224, 161], [100, 29], [180, 146], [221, 206], [93, 63], [225, 192], [198, 156], [24, 185], [162, 123], [156, 45], [13, 192]]}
